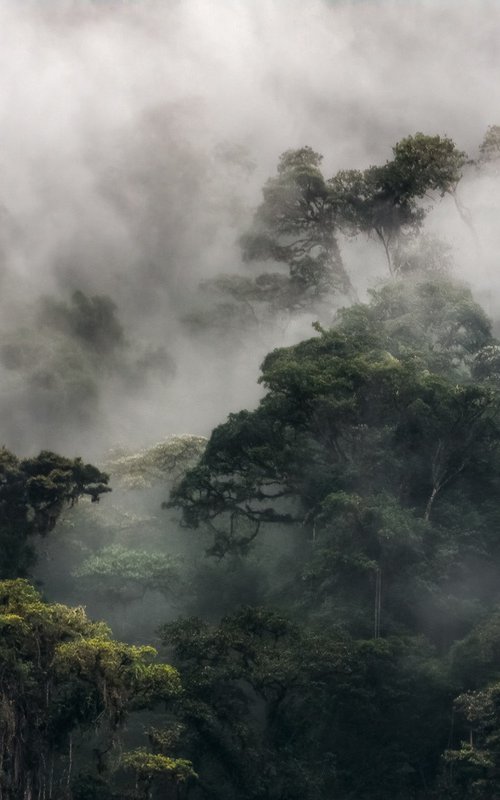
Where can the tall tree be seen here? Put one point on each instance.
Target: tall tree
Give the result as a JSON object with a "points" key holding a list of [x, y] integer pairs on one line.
{"points": [[296, 224], [386, 200]]}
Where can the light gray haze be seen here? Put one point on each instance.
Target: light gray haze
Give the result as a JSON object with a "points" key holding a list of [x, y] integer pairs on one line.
{"points": [[134, 141]]}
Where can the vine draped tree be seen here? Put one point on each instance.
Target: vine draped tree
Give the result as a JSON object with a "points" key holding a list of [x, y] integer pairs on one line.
{"points": [[33, 493]]}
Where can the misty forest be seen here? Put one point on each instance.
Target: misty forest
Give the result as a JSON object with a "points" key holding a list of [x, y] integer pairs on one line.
{"points": [[250, 400]]}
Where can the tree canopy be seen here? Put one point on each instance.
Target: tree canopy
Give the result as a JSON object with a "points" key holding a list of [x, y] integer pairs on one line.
{"points": [[366, 436], [386, 200], [33, 493]]}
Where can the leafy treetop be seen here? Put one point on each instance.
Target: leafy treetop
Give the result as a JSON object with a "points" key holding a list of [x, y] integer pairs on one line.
{"points": [[33, 492]]}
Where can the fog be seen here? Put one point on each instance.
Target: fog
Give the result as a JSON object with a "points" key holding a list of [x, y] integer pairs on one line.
{"points": [[135, 138]]}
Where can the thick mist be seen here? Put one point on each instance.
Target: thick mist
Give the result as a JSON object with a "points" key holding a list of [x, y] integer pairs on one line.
{"points": [[135, 138]]}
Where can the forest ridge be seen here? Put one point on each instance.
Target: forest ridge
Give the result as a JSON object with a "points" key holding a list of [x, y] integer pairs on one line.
{"points": [[328, 563]]}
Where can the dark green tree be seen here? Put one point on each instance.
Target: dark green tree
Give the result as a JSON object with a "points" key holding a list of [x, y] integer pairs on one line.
{"points": [[437, 318], [33, 493], [380, 453], [344, 407], [273, 710]]}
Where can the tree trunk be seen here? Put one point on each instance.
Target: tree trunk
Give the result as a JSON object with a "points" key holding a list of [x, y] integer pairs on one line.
{"points": [[387, 251], [378, 603], [430, 502]]}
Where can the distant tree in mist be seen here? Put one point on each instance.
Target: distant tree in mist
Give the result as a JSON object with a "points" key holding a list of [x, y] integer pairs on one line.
{"points": [[296, 225], [120, 575], [489, 149], [386, 201], [420, 255], [56, 378], [92, 324], [63, 377], [91, 320], [302, 216], [59, 373], [295, 228]]}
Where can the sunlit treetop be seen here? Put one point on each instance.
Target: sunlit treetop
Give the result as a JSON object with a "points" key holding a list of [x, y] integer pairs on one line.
{"points": [[424, 163], [489, 149], [165, 461]]}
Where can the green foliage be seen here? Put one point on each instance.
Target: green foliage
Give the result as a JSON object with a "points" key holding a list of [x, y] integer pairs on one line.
{"points": [[438, 319], [248, 683], [473, 769], [342, 402], [427, 163], [33, 492], [118, 573], [60, 673], [386, 200], [356, 540], [366, 435], [474, 659], [150, 765]]}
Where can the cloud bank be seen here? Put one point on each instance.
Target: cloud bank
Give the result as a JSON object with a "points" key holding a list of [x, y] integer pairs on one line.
{"points": [[134, 141]]}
